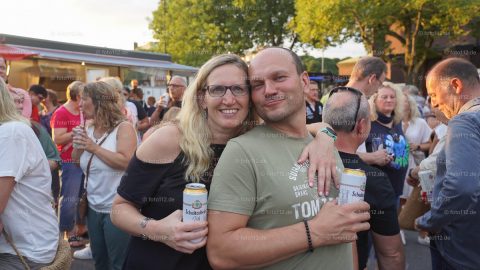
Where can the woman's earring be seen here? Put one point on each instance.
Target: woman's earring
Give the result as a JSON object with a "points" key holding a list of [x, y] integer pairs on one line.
{"points": [[205, 113]]}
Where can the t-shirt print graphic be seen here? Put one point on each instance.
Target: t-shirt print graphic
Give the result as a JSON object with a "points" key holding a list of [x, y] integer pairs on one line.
{"points": [[397, 146], [312, 202]]}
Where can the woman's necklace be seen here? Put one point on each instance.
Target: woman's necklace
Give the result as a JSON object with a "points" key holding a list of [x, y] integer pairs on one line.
{"points": [[95, 136]]}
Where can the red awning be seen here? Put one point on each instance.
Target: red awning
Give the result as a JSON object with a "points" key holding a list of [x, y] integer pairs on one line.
{"points": [[13, 53]]}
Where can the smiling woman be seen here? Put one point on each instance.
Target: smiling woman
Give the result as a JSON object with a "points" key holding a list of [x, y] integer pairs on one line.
{"points": [[386, 109], [215, 108]]}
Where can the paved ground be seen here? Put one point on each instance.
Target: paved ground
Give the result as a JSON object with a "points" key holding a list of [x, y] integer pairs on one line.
{"points": [[418, 256]]}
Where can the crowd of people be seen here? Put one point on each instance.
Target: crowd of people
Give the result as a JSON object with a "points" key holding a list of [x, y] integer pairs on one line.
{"points": [[110, 165]]}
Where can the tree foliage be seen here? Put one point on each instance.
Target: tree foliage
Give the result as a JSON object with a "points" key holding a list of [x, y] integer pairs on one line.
{"points": [[414, 23], [192, 31], [313, 64]]}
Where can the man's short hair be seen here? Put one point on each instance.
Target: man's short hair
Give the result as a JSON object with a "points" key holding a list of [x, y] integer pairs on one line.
{"points": [[38, 90], [340, 113], [367, 66], [138, 92], [151, 99], [296, 59], [455, 67], [126, 88], [313, 82]]}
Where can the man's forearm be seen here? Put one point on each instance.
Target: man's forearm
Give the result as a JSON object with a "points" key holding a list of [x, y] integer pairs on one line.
{"points": [[247, 248]]}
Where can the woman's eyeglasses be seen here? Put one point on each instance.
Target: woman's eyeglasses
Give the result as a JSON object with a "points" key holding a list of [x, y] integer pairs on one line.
{"points": [[351, 90], [220, 90]]}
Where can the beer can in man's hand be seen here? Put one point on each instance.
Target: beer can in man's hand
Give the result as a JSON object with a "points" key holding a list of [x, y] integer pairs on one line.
{"points": [[352, 186], [195, 197]]}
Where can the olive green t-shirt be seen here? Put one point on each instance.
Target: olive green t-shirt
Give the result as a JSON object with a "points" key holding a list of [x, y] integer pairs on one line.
{"points": [[258, 176]]}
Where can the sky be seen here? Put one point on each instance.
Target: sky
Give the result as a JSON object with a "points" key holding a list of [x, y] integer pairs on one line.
{"points": [[107, 23]]}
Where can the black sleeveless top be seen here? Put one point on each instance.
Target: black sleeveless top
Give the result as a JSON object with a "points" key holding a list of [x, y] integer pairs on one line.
{"points": [[157, 189]]}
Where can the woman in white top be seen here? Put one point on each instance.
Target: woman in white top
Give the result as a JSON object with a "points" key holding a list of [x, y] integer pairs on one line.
{"points": [[418, 133], [109, 141], [26, 212]]}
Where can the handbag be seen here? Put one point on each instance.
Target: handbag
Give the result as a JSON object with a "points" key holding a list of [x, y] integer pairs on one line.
{"points": [[413, 208], [83, 202], [63, 256]]}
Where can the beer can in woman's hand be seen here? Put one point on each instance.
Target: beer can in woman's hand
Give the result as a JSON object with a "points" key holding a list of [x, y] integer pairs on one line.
{"points": [[195, 197]]}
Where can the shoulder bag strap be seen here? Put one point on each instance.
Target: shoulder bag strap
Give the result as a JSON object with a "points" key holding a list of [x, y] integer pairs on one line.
{"points": [[9, 240]]}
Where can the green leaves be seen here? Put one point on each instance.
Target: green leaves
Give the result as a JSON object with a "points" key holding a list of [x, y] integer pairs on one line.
{"points": [[192, 31], [413, 23]]}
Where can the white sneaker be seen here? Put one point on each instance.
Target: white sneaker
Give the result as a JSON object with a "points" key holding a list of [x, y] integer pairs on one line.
{"points": [[402, 236], [83, 254], [423, 241]]}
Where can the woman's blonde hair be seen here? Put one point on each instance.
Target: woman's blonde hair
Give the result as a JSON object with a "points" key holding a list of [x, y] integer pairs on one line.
{"points": [[399, 101], [118, 86], [414, 112], [8, 111], [192, 121], [105, 101]]}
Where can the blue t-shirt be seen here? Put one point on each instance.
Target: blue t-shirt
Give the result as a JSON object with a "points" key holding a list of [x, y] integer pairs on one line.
{"points": [[395, 143]]}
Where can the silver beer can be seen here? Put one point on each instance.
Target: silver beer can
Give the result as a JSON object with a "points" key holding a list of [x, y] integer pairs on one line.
{"points": [[352, 186]]}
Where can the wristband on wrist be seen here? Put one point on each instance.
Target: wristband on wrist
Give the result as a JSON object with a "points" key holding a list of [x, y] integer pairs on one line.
{"points": [[143, 225], [330, 132], [144, 222], [309, 237]]}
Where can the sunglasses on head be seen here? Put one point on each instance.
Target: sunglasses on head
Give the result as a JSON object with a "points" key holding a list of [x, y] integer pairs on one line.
{"points": [[356, 92]]}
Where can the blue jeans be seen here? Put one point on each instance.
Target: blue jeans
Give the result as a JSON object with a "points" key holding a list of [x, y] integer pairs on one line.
{"points": [[438, 262], [108, 243], [69, 195]]}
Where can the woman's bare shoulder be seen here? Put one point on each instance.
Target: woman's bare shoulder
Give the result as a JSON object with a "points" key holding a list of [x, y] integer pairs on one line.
{"points": [[162, 146]]}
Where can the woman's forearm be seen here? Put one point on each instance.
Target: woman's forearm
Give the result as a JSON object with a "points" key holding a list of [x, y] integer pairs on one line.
{"points": [[126, 216], [76, 154], [114, 160], [425, 146]]}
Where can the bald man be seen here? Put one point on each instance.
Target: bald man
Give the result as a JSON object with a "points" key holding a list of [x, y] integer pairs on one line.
{"points": [[347, 111], [454, 218], [262, 212]]}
